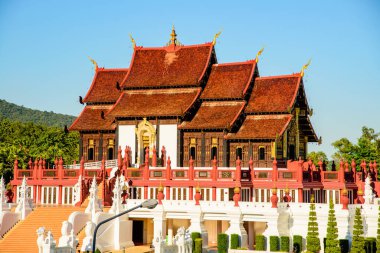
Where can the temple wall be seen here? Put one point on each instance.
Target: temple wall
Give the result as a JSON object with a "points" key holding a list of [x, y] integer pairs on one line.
{"points": [[127, 136], [168, 138]]}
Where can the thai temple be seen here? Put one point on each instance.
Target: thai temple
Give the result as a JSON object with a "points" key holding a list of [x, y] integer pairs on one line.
{"points": [[221, 148]]}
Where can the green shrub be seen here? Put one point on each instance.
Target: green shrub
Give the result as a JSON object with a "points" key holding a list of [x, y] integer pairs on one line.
{"points": [[284, 243], [234, 241], [297, 243], [274, 243], [344, 245], [260, 243], [195, 235], [242, 248], [198, 245], [222, 243]]}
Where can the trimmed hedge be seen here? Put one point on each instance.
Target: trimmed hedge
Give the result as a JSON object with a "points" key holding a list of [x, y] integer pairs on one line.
{"points": [[274, 243], [198, 245], [222, 243], [195, 235], [344, 245], [234, 241], [284, 243], [297, 243], [260, 243]]}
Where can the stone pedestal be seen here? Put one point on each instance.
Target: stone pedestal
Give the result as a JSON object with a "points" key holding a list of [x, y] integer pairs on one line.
{"points": [[236, 227], [197, 224]]}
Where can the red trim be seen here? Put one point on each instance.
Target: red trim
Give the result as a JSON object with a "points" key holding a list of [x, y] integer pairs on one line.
{"points": [[114, 105], [286, 124], [130, 66], [209, 59], [280, 76], [75, 121], [92, 86], [254, 63], [238, 114], [295, 93], [195, 99]]}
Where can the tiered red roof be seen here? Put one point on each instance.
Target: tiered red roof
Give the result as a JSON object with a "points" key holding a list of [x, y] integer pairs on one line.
{"points": [[262, 127], [103, 87], [154, 102], [168, 66], [273, 94], [215, 115], [91, 119], [229, 81]]}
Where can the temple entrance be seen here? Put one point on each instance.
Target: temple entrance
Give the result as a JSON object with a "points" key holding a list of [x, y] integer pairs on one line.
{"points": [[138, 232], [146, 138]]}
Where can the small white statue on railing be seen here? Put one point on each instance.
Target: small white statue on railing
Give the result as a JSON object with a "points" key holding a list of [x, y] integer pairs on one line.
{"points": [[94, 205], [25, 204], [368, 191], [77, 190], [117, 199], [183, 241], [87, 241]]}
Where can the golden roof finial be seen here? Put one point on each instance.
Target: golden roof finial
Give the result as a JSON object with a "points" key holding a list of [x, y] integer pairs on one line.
{"points": [[215, 37], [173, 37], [93, 62], [133, 41], [258, 54], [304, 67]]}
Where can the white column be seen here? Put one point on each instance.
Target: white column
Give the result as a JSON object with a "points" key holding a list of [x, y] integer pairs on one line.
{"points": [[159, 226], [197, 224], [236, 226]]}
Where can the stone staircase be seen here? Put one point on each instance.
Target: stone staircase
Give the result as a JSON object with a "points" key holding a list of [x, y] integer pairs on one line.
{"points": [[23, 237]]}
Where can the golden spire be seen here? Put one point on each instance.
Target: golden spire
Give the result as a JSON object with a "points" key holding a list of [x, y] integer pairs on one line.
{"points": [[93, 62], [304, 67], [133, 41], [258, 54], [173, 37], [215, 37]]}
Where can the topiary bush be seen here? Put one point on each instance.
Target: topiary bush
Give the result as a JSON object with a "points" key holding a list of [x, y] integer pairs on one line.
{"points": [[284, 243], [198, 245], [234, 241], [344, 245], [297, 243], [274, 243], [260, 243], [195, 235], [222, 243]]}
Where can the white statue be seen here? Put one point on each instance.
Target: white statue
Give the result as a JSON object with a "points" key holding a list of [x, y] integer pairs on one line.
{"points": [[117, 199], [183, 241], [49, 243], [87, 241], [24, 206], [93, 205], [40, 239], [368, 191], [77, 189], [3, 204], [68, 238]]}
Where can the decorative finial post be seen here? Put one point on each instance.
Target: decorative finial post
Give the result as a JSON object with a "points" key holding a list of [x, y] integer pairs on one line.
{"points": [[258, 54], [215, 37], [133, 41], [304, 67], [173, 37], [93, 62]]}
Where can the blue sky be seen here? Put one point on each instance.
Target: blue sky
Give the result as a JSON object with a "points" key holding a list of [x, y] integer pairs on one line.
{"points": [[44, 47]]}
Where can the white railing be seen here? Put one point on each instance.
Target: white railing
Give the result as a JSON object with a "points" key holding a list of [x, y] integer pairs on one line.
{"points": [[93, 165]]}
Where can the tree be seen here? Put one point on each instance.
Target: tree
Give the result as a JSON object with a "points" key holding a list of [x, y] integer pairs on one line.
{"points": [[332, 242], [313, 243], [367, 147], [315, 157], [357, 234]]}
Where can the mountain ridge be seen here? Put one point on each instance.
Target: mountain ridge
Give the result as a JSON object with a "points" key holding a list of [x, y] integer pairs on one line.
{"points": [[23, 114]]}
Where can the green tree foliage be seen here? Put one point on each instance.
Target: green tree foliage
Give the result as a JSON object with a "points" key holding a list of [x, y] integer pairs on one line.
{"points": [[357, 234], [22, 114], [28, 140], [368, 147], [313, 243], [315, 157], [332, 242]]}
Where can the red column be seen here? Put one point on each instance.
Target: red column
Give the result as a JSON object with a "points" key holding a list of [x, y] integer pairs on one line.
{"points": [[252, 169], [214, 173], [40, 168], [213, 193], [197, 196], [238, 170], [191, 169], [146, 168], [81, 168], [353, 168], [275, 170], [163, 156], [60, 194], [236, 197], [344, 199], [145, 192], [375, 169], [60, 169], [160, 195], [168, 192], [190, 193], [35, 169], [119, 159], [168, 169], [274, 198], [300, 172], [300, 195], [154, 157]]}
